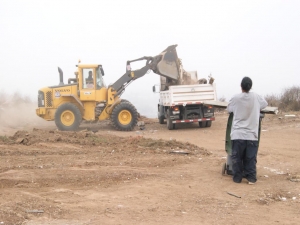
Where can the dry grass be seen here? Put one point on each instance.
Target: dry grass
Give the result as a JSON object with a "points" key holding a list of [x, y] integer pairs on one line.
{"points": [[288, 100]]}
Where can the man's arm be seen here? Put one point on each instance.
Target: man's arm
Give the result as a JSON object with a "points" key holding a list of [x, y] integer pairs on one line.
{"points": [[230, 105], [262, 102]]}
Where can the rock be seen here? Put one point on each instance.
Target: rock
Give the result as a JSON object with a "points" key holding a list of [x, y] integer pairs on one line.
{"points": [[85, 130], [35, 211], [295, 178], [141, 123], [19, 140], [178, 152], [290, 115], [58, 138]]}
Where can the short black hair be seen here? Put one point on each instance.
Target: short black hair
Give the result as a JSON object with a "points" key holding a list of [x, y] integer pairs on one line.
{"points": [[246, 84]]}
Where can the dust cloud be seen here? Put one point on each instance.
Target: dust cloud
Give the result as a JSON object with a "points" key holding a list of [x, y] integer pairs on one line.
{"points": [[17, 112]]}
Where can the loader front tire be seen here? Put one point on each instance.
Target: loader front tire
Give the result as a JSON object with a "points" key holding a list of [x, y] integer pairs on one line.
{"points": [[67, 117], [124, 116]]}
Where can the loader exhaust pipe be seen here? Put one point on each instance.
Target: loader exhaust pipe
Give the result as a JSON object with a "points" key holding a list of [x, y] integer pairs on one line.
{"points": [[61, 76]]}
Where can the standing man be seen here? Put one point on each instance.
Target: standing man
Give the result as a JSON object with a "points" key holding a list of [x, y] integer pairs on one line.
{"points": [[246, 108]]}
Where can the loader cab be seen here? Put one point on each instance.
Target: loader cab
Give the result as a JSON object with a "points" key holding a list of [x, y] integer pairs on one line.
{"points": [[92, 78], [91, 83]]}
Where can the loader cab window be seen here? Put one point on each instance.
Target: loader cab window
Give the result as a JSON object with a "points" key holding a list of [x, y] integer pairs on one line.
{"points": [[99, 78], [88, 78]]}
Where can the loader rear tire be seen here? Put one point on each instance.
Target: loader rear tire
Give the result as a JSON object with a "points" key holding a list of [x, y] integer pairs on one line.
{"points": [[67, 117], [124, 116]]}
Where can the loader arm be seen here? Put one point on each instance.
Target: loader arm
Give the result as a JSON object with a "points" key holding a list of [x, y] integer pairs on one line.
{"points": [[165, 64]]}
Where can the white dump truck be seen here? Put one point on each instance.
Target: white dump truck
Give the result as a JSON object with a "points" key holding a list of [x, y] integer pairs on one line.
{"points": [[186, 100]]}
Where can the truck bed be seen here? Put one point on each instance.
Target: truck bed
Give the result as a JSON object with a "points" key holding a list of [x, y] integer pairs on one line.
{"points": [[188, 94]]}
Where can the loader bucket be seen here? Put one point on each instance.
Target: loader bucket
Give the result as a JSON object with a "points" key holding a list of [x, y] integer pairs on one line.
{"points": [[168, 66]]}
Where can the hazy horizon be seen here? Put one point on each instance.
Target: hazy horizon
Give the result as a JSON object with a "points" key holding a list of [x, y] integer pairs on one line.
{"points": [[227, 39]]}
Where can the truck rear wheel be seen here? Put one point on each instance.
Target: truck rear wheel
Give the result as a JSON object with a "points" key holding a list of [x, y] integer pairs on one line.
{"points": [[67, 117], [208, 123], [202, 124], [170, 125], [124, 116]]}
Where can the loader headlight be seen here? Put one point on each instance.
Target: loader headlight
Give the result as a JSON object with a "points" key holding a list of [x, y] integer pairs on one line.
{"points": [[41, 99]]}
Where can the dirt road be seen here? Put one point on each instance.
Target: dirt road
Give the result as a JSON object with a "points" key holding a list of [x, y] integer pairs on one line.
{"points": [[150, 176]]}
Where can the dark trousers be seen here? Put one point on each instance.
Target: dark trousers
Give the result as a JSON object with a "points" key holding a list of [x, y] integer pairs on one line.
{"points": [[244, 153]]}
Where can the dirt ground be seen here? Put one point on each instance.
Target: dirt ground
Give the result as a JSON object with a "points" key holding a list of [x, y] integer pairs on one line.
{"points": [[152, 176]]}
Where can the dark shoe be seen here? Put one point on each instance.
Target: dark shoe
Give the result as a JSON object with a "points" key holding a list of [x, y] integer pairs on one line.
{"points": [[237, 181], [251, 181]]}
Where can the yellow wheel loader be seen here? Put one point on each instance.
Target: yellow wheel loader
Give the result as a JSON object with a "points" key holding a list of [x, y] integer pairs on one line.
{"points": [[86, 97]]}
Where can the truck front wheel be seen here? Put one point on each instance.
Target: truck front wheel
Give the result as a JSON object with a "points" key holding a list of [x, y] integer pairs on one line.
{"points": [[170, 125], [124, 116], [161, 120], [161, 116], [67, 117]]}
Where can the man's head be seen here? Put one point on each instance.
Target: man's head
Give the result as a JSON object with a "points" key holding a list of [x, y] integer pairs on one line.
{"points": [[90, 77], [246, 84]]}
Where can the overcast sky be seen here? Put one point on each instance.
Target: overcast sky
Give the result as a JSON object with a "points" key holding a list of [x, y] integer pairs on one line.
{"points": [[228, 39]]}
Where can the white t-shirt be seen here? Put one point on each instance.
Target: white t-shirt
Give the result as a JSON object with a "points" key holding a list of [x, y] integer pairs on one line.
{"points": [[246, 111]]}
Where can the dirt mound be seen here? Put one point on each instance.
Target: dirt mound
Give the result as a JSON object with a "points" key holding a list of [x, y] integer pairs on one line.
{"points": [[61, 164], [108, 141], [100, 176], [147, 120]]}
